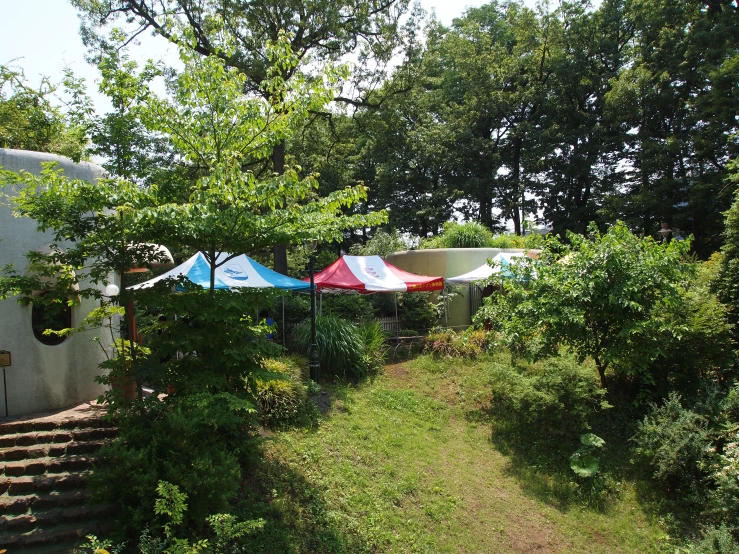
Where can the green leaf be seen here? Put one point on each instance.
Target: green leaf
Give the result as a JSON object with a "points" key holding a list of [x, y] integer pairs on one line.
{"points": [[594, 441], [584, 465]]}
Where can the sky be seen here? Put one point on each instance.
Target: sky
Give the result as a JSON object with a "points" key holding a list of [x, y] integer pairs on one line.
{"points": [[41, 37]]}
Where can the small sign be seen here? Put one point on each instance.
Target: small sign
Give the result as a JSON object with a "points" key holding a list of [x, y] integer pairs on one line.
{"points": [[4, 358]]}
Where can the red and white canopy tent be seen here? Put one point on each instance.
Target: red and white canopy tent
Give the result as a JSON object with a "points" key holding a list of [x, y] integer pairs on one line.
{"points": [[371, 274]]}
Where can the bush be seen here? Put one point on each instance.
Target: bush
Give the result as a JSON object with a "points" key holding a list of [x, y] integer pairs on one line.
{"points": [[193, 441], [475, 235], [727, 282], [701, 346], [445, 343], [692, 452], [715, 540], [605, 297], [416, 311], [382, 244], [374, 341], [552, 404], [282, 396], [340, 347], [670, 442], [352, 307]]}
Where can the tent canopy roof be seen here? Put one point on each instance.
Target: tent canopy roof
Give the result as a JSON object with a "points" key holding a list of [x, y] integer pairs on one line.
{"points": [[238, 272], [369, 274], [485, 271]]}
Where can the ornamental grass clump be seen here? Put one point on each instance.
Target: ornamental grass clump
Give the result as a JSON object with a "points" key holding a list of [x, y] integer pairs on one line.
{"points": [[282, 394], [340, 346]]}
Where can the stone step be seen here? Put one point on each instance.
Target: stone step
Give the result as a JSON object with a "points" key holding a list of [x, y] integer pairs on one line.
{"points": [[18, 505], [57, 516], [40, 466], [40, 484], [73, 448], [56, 437], [72, 533], [32, 426]]}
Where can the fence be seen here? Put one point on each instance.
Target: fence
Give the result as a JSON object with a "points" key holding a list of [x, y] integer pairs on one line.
{"points": [[475, 299], [390, 324]]}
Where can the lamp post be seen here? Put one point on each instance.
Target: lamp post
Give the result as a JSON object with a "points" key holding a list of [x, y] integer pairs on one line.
{"points": [[313, 364], [665, 231]]}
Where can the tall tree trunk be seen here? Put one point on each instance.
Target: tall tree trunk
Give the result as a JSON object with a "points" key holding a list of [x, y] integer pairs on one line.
{"points": [[280, 250], [516, 174], [212, 254], [601, 372]]}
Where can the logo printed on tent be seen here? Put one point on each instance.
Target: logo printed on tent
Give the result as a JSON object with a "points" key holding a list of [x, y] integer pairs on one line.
{"points": [[235, 272], [372, 272]]}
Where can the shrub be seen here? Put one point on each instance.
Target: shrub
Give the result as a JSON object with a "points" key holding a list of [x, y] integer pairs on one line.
{"points": [[193, 441], [701, 346], [374, 340], [475, 235], [416, 311], [352, 307], [382, 244], [727, 283], [692, 452], [715, 540], [551, 404], [476, 341], [670, 441], [445, 343], [461, 235], [605, 297], [340, 346], [282, 395]]}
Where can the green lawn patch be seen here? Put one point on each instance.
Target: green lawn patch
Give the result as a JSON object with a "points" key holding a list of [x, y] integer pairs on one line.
{"points": [[407, 463]]}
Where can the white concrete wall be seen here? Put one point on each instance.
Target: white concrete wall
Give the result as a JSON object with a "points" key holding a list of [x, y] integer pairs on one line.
{"points": [[41, 378]]}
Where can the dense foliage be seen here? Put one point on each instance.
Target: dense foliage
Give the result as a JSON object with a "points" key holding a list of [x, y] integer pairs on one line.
{"points": [[562, 113], [692, 452], [31, 118], [605, 296], [344, 349]]}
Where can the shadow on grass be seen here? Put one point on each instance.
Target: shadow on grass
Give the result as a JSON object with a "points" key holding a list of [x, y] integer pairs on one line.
{"points": [[539, 459], [297, 518]]}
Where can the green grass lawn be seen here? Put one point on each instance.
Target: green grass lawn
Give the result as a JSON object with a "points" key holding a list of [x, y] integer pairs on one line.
{"points": [[406, 463]]}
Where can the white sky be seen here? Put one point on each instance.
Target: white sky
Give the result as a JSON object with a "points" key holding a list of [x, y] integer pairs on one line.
{"points": [[41, 37]]}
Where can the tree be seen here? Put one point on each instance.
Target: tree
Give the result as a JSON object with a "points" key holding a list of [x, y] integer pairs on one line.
{"points": [[31, 118], [578, 169], [216, 128], [238, 32], [679, 107], [605, 296], [727, 282]]}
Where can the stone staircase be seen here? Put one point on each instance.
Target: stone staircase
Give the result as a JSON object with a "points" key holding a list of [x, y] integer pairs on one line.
{"points": [[44, 465]]}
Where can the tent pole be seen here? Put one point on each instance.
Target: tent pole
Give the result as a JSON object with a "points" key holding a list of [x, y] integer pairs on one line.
{"points": [[284, 338], [397, 321]]}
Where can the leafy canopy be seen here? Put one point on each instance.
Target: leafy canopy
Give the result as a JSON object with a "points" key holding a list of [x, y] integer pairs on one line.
{"points": [[603, 295]]}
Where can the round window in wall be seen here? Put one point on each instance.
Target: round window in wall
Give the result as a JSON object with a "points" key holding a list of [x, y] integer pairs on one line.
{"points": [[50, 312]]}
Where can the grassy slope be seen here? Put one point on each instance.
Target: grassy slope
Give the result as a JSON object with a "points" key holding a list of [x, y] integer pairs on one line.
{"points": [[402, 464]]}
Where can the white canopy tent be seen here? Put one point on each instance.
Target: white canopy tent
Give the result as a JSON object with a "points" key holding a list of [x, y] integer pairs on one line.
{"points": [[486, 271]]}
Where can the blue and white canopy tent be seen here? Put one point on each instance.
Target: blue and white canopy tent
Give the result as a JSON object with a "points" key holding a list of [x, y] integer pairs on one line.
{"points": [[238, 272]]}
